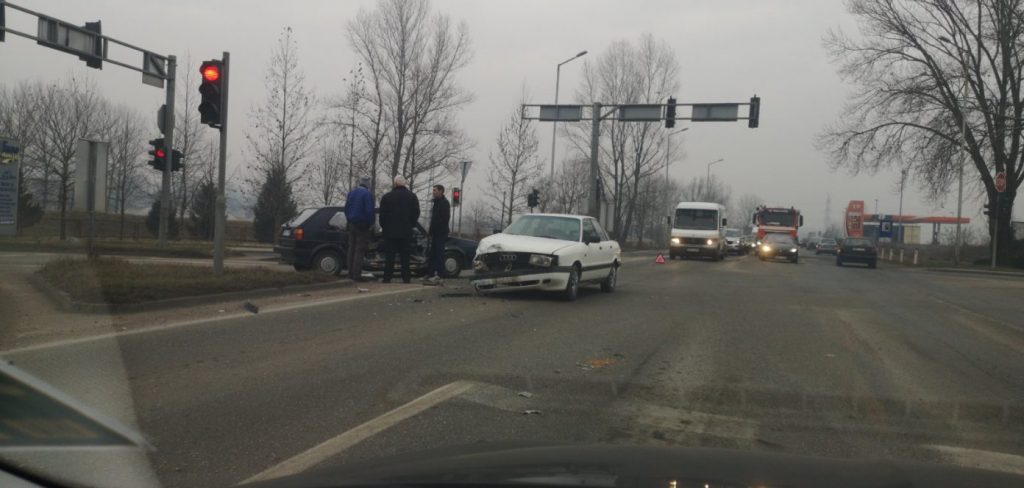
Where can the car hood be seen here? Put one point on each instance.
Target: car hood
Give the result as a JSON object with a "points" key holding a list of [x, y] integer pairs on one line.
{"points": [[514, 243], [603, 466]]}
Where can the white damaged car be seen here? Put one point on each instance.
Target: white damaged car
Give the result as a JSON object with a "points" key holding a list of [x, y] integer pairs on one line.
{"points": [[550, 252]]}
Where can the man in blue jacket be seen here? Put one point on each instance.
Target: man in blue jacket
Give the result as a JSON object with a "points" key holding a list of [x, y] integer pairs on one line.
{"points": [[360, 215]]}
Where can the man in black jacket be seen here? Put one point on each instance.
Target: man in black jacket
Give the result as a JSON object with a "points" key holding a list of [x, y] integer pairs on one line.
{"points": [[440, 215], [399, 211]]}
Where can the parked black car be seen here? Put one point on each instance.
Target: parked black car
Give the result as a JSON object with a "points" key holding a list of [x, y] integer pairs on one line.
{"points": [[316, 239], [857, 250]]}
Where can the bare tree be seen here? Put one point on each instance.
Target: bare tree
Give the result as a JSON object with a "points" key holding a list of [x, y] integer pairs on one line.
{"points": [[909, 110], [126, 171], [740, 214], [698, 190], [568, 191], [190, 137], [284, 133], [412, 57], [514, 163], [645, 72], [327, 170], [70, 110]]}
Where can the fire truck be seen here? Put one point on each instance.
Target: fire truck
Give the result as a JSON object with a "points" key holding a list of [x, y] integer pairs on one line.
{"points": [[777, 220]]}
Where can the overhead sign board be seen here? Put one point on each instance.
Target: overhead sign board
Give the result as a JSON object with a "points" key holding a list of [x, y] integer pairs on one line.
{"points": [[715, 112], [561, 113], [8, 187], [154, 69], [640, 113], [86, 41]]}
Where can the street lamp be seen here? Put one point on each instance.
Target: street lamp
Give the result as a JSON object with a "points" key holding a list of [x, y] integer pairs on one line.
{"points": [[960, 171], [558, 76], [707, 182]]}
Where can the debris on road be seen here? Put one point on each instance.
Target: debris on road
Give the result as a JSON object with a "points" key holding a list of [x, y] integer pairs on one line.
{"points": [[417, 300], [525, 394], [532, 412], [362, 290], [597, 363], [252, 307], [658, 435]]}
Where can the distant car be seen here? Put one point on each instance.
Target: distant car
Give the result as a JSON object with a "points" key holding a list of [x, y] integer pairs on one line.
{"points": [[732, 241], [857, 250], [551, 252], [827, 245], [779, 246], [747, 244], [316, 239]]}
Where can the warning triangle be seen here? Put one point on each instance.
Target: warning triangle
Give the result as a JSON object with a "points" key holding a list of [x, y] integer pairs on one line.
{"points": [[660, 259]]}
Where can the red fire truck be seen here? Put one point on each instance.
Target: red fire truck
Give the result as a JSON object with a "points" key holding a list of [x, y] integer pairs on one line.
{"points": [[777, 220]]}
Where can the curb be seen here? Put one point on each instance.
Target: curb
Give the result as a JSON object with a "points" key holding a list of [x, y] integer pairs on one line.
{"points": [[64, 301], [1005, 274]]}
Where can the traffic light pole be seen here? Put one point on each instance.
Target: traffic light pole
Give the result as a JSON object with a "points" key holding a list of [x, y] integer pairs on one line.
{"points": [[593, 204], [220, 220], [165, 184]]}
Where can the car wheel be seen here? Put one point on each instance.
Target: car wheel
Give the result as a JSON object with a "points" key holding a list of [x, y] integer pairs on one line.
{"points": [[572, 285], [608, 285], [872, 264], [327, 262], [452, 264]]}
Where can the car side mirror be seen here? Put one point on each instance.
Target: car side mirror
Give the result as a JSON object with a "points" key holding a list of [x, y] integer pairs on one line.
{"points": [[725, 222]]}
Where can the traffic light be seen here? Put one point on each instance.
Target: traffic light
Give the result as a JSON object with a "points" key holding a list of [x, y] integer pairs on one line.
{"points": [[755, 112], [210, 90], [176, 160], [159, 154], [670, 113], [988, 209], [456, 196], [533, 199]]}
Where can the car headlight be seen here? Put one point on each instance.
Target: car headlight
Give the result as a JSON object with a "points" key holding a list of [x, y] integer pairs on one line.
{"points": [[479, 264], [766, 248], [541, 260], [676, 240], [792, 250], [711, 242]]}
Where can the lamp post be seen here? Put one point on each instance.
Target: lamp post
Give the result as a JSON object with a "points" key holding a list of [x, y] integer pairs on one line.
{"points": [[558, 76], [707, 182]]}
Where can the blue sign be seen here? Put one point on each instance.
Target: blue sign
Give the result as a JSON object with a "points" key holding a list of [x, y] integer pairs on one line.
{"points": [[885, 228]]}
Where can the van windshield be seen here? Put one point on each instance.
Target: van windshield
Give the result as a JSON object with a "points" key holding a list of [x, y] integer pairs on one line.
{"points": [[696, 219]]}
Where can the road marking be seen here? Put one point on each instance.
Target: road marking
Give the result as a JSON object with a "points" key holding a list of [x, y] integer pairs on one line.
{"points": [[205, 320], [976, 458], [344, 441]]}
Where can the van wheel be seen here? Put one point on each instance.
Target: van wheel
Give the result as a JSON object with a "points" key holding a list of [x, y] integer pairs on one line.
{"points": [[327, 262]]}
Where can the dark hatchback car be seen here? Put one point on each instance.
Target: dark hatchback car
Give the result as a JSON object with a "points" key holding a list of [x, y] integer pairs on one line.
{"points": [[857, 250], [779, 246], [316, 239]]}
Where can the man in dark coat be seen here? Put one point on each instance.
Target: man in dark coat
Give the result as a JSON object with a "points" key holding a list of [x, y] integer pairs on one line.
{"points": [[440, 215], [399, 212]]}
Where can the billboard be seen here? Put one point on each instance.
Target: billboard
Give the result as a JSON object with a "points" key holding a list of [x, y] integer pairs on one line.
{"points": [[855, 218]]}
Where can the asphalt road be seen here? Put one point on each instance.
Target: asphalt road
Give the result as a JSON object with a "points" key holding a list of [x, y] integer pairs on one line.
{"points": [[804, 358]]}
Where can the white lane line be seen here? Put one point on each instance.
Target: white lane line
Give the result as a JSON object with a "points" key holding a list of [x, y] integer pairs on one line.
{"points": [[205, 320], [342, 442]]}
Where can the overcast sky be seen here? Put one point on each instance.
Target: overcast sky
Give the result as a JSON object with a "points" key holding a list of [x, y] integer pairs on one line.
{"points": [[728, 51]]}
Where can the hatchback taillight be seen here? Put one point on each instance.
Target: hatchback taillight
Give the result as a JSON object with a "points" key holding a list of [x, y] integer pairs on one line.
{"points": [[298, 234]]}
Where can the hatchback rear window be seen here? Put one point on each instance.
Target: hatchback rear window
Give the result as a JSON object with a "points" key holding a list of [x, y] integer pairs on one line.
{"points": [[302, 217]]}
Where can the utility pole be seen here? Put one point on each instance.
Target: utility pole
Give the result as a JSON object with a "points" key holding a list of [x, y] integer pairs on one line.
{"points": [[903, 178], [220, 220], [593, 204], [165, 182]]}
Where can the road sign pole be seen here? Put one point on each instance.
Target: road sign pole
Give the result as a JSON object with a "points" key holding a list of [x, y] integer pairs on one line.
{"points": [[593, 205], [220, 219], [165, 184], [995, 230]]}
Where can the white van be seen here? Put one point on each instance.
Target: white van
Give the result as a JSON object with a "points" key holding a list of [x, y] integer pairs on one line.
{"points": [[698, 229]]}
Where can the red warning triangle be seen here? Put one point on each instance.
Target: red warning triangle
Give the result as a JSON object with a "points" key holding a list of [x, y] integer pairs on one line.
{"points": [[660, 259]]}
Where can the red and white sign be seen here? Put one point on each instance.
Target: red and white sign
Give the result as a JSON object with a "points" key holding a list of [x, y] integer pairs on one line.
{"points": [[660, 259], [1001, 181]]}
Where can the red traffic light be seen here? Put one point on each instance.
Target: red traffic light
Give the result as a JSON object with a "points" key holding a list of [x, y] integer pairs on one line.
{"points": [[211, 72], [160, 153]]}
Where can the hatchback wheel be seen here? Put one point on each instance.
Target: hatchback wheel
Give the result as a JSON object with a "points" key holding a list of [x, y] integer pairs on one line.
{"points": [[452, 265], [327, 262]]}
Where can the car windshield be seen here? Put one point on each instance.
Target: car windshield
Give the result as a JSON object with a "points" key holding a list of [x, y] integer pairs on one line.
{"points": [[696, 219], [550, 227], [779, 239], [567, 229]]}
